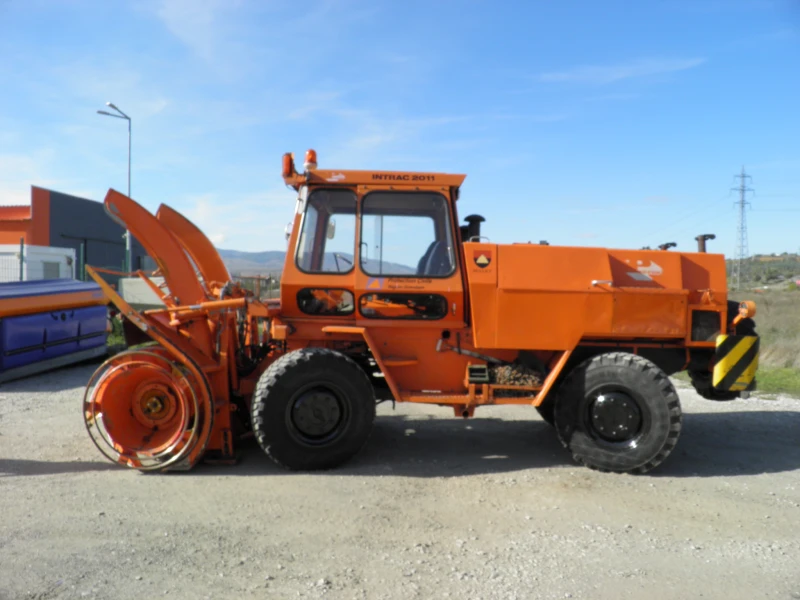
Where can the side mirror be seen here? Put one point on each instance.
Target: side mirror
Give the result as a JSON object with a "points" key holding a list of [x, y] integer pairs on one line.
{"points": [[287, 165], [331, 233]]}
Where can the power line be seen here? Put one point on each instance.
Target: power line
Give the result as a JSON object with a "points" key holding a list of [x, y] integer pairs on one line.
{"points": [[670, 227], [741, 231]]}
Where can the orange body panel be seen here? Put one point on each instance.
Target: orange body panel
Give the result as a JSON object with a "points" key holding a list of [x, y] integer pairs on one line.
{"points": [[548, 297], [502, 298], [12, 307]]}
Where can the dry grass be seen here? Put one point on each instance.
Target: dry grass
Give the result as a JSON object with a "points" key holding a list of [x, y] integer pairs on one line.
{"points": [[778, 324]]}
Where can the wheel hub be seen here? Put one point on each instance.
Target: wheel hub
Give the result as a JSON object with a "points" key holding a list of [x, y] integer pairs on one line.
{"points": [[615, 417], [316, 413], [154, 404]]}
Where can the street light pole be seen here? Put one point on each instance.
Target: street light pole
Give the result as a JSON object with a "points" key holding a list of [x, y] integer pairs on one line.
{"points": [[122, 115]]}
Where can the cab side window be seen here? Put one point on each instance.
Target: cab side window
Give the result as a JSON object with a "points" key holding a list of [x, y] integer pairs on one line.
{"points": [[327, 239], [406, 234]]}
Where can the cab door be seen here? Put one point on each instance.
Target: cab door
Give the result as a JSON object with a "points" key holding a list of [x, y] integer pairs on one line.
{"points": [[408, 284]]}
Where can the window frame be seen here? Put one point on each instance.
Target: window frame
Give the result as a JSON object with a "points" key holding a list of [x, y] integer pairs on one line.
{"points": [[350, 313], [356, 224], [402, 293], [448, 224]]}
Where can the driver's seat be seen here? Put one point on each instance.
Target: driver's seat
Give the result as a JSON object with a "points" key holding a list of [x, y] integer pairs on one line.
{"points": [[436, 260]]}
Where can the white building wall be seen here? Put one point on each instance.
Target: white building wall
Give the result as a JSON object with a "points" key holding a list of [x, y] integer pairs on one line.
{"points": [[38, 262]]}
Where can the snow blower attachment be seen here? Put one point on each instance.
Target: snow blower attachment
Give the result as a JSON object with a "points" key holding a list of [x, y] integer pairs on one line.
{"points": [[164, 405], [384, 296]]}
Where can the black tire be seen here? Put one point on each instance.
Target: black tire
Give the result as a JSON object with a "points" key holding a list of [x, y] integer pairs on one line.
{"points": [[618, 412], [547, 410], [312, 409], [703, 385]]}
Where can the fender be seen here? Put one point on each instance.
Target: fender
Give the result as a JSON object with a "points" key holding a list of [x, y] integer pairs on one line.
{"points": [[362, 331]]}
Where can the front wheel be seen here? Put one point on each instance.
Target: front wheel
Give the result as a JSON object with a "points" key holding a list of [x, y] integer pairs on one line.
{"points": [[313, 409], [618, 412]]}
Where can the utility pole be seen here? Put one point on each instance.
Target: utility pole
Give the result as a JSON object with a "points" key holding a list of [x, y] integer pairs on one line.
{"points": [[741, 231], [121, 115]]}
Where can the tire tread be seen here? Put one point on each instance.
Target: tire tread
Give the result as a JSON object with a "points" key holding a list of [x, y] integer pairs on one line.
{"points": [[649, 370], [279, 369]]}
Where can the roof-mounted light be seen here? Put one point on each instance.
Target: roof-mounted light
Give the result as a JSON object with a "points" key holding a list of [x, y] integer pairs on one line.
{"points": [[311, 160]]}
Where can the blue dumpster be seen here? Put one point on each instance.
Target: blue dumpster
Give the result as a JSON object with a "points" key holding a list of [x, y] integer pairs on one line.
{"points": [[48, 324]]}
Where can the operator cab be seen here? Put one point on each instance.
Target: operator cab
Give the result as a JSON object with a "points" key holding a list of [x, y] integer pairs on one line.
{"points": [[374, 245], [403, 233]]}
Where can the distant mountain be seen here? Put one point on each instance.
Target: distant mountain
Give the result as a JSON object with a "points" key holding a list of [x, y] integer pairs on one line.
{"points": [[253, 263], [271, 263]]}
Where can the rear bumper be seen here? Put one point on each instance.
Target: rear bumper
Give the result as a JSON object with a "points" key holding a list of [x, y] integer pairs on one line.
{"points": [[736, 362]]}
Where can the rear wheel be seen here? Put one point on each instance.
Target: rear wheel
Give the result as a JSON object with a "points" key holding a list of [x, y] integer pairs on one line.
{"points": [[547, 410], [618, 412], [704, 386], [312, 409]]}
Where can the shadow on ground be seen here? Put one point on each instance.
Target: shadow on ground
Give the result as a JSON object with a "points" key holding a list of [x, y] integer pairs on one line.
{"points": [[711, 445], [58, 380], [426, 446], [25, 468], [735, 443]]}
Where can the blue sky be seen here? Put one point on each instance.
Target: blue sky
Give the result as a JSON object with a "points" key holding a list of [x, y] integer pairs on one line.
{"points": [[610, 123]]}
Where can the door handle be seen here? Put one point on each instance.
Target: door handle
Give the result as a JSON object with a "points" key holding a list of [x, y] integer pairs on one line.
{"points": [[596, 282]]}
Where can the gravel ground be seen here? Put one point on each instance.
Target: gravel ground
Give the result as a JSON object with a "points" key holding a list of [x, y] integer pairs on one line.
{"points": [[433, 508]]}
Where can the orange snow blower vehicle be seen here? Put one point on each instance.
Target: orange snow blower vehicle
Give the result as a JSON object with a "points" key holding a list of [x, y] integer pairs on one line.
{"points": [[384, 296]]}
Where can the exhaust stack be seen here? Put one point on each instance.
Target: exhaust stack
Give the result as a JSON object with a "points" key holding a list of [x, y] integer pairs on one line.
{"points": [[701, 240]]}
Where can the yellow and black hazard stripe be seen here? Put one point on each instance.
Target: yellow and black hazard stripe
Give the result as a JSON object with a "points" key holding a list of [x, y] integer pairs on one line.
{"points": [[736, 362]]}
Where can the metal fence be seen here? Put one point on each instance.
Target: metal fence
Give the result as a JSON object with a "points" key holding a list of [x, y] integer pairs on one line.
{"points": [[28, 263], [265, 287], [10, 267]]}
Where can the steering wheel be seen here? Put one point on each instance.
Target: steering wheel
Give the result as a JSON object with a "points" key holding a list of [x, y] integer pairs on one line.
{"points": [[337, 256]]}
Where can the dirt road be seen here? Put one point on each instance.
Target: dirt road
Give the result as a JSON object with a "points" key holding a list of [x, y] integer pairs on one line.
{"points": [[433, 508]]}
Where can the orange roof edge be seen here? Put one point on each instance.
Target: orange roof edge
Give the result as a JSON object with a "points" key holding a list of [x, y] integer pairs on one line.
{"points": [[15, 212], [396, 178]]}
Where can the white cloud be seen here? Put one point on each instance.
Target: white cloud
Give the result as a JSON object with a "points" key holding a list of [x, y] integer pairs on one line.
{"points": [[19, 171], [196, 23], [316, 102], [16, 172], [370, 133], [542, 118], [250, 222], [603, 74]]}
